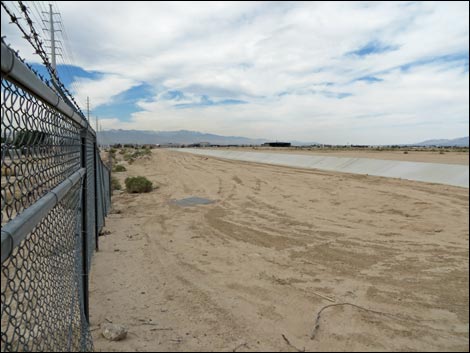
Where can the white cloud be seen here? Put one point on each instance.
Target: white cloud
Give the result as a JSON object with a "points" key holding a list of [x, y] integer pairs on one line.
{"points": [[259, 50], [103, 89]]}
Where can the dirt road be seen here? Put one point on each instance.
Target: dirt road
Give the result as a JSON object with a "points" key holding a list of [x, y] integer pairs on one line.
{"points": [[252, 270]]}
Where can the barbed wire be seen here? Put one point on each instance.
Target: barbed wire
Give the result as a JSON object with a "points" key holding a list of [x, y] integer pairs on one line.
{"points": [[45, 58], [35, 41], [23, 60]]}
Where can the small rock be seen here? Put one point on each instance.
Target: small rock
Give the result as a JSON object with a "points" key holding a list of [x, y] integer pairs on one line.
{"points": [[116, 250], [113, 332]]}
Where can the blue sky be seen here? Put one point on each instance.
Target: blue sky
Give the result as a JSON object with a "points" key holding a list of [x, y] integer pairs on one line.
{"points": [[328, 72], [373, 48]]}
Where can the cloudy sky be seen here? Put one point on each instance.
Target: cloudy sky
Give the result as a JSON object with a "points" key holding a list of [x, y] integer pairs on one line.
{"points": [[354, 72]]}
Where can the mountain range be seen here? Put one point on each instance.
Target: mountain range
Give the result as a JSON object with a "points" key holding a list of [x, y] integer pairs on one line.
{"points": [[458, 142], [189, 137], [176, 137]]}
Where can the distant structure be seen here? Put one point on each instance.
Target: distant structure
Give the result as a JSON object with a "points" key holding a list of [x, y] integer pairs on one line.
{"points": [[277, 144], [200, 144]]}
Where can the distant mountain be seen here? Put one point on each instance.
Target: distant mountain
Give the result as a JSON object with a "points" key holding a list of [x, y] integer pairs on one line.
{"points": [[458, 142], [177, 137]]}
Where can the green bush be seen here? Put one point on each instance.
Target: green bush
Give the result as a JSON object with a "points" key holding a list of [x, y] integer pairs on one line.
{"points": [[115, 184], [130, 157], [138, 184], [119, 168]]}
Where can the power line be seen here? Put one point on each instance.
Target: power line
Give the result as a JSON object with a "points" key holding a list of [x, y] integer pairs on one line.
{"points": [[66, 55], [37, 13], [68, 58], [32, 36]]}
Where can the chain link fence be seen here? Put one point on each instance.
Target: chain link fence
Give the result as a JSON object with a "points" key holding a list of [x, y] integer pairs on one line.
{"points": [[54, 198]]}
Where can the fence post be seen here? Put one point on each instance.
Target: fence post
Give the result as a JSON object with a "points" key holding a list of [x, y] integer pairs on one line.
{"points": [[85, 225], [110, 167], [102, 189], [95, 165], [103, 197]]}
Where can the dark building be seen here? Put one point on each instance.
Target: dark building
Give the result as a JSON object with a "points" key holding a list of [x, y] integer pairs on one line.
{"points": [[277, 144]]}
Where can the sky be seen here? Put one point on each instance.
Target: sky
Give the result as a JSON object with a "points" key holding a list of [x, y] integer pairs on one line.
{"points": [[327, 72]]}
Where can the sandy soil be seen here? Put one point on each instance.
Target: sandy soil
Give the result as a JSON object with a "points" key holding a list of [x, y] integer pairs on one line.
{"points": [[251, 271], [412, 156]]}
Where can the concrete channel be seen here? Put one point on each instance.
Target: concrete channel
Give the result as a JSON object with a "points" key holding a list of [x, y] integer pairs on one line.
{"points": [[449, 174]]}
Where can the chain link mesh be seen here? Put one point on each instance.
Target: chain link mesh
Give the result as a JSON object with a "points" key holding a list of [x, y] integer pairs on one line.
{"points": [[41, 283], [43, 279], [91, 217], [40, 148]]}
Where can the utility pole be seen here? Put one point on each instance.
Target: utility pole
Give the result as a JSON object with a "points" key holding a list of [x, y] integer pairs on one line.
{"points": [[53, 54], [96, 116], [53, 41], [88, 108], [51, 24]]}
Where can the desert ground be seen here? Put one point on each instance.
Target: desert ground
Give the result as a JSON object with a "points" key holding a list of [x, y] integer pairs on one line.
{"points": [[385, 261]]}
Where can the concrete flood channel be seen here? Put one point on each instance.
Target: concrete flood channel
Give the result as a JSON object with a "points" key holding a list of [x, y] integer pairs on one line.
{"points": [[449, 174]]}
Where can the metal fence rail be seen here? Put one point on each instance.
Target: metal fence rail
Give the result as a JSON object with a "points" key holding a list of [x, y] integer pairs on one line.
{"points": [[54, 198]]}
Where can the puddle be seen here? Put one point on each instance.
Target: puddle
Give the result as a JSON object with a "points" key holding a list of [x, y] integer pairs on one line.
{"points": [[192, 201]]}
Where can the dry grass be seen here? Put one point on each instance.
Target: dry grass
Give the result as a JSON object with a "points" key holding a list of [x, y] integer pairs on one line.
{"points": [[8, 171]]}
